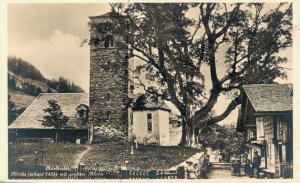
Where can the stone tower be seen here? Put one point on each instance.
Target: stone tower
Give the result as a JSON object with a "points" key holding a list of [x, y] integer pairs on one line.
{"points": [[108, 78]]}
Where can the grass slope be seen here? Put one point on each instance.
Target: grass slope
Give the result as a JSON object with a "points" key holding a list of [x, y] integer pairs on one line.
{"points": [[21, 99], [112, 155], [56, 154], [102, 156]]}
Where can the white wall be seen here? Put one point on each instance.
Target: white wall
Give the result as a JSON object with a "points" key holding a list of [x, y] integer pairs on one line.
{"points": [[140, 126], [164, 131], [160, 127]]}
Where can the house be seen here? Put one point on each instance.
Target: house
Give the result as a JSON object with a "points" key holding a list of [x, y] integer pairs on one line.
{"points": [[28, 126], [149, 121], [266, 117]]}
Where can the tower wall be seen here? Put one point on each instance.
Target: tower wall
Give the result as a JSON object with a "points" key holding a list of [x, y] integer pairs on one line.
{"points": [[108, 88]]}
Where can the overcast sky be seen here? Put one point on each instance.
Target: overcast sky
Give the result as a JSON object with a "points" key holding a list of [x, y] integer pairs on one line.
{"points": [[49, 36]]}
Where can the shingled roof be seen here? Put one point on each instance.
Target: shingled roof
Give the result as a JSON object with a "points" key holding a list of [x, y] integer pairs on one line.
{"points": [[144, 103], [32, 116], [270, 97]]}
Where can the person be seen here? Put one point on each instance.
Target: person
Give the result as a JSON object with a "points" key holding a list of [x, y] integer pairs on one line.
{"points": [[235, 165], [256, 163], [190, 170], [243, 159], [245, 163], [203, 173], [220, 157]]}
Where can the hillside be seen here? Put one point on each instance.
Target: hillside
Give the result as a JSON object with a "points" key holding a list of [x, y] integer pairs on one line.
{"points": [[25, 82], [21, 82], [21, 99]]}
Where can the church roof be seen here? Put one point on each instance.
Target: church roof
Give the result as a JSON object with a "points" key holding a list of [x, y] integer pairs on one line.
{"points": [[32, 117], [144, 103], [270, 97]]}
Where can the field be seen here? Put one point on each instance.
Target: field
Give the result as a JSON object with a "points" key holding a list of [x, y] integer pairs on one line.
{"points": [[103, 156], [56, 154], [21, 99]]}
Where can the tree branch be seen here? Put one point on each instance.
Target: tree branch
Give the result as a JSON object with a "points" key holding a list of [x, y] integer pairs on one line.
{"points": [[232, 105]]}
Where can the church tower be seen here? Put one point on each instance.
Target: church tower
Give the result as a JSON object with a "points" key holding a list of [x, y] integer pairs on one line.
{"points": [[108, 78]]}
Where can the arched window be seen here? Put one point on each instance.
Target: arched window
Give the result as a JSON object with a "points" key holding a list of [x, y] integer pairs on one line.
{"points": [[108, 41]]}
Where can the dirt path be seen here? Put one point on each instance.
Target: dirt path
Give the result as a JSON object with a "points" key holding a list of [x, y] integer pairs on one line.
{"points": [[80, 156]]}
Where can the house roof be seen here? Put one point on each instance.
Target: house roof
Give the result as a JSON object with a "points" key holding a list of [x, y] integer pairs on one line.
{"points": [[269, 97], [32, 117]]}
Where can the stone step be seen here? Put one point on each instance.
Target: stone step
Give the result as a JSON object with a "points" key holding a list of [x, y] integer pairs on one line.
{"points": [[217, 165]]}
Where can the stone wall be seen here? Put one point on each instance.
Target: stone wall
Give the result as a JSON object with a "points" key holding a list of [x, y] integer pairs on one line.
{"points": [[108, 91]]}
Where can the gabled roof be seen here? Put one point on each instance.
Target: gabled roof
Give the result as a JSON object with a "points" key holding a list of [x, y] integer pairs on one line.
{"points": [[269, 97], [82, 106], [32, 116], [152, 105]]}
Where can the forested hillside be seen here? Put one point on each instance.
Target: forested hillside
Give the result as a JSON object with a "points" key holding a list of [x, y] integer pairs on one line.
{"points": [[25, 82]]}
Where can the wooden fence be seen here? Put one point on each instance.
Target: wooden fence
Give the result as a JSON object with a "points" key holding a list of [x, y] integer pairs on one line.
{"points": [[22, 171]]}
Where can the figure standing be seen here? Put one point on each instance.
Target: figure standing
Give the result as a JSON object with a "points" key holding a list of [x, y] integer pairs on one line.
{"points": [[245, 163], [256, 164], [235, 163], [190, 170]]}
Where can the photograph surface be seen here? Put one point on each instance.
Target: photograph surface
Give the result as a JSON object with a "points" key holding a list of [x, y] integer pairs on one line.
{"points": [[150, 91]]}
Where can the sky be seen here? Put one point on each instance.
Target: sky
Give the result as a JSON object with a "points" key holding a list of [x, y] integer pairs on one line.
{"points": [[49, 37]]}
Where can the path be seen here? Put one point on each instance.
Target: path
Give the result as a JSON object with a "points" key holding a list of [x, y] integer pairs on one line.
{"points": [[80, 156], [223, 171], [224, 174]]}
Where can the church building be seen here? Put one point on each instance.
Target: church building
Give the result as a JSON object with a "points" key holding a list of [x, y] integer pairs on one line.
{"points": [[112, 114]]}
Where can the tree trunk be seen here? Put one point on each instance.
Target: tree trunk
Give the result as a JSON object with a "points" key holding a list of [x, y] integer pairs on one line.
{"points": [[183, 133], [188, 137], [191, 142], [193, 139]]}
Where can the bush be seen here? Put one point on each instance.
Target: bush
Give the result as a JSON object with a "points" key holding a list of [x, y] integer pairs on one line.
{"points": [[223, 138]]}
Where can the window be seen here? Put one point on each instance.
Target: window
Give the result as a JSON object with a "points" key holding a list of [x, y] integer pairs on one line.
{"points": [[108, 114], [108, 41], [251, 134], [108, 65], [260, 128], [81, 113], [108, 96], [149, 122]]}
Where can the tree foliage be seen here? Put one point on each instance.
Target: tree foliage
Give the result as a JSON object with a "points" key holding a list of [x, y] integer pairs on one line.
{"points": [[63, 85], [176, 49], [11, 82], [12, 111], [224, 138], [22, 68], [54, 116]]}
